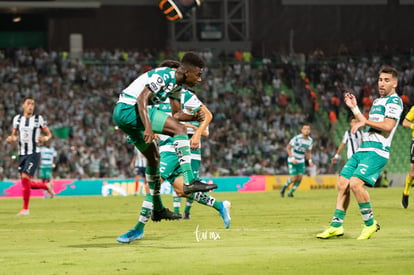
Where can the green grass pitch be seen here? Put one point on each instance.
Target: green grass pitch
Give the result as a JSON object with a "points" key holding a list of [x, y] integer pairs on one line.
{"points": [[268, 235]]}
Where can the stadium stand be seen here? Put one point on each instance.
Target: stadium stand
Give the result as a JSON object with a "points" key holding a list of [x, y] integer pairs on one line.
{"points": [[75, 96]]}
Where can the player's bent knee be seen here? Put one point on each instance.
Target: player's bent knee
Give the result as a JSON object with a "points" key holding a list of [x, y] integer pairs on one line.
{"points": [[355, 186], [179, 188], [179, 191]]}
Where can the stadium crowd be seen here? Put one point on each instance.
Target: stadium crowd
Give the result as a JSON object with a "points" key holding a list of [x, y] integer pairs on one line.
{"points": [[257, 105]]}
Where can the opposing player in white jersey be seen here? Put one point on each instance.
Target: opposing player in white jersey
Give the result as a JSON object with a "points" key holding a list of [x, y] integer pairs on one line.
{"points": [[47, 155], [138, 163], [365, 166], [27, 128], [299, 149], [351, 140], [140, 123]]}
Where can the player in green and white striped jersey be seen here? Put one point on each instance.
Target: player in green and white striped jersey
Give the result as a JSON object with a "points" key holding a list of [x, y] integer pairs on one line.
{"points": [[365, 166], [47, 155], [298, 149], [170, 169], [190, 105], [132, 115]]}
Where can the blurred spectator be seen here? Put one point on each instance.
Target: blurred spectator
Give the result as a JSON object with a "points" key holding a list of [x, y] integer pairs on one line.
{"points": [[333, 119], [366, 105], [283, 100]]}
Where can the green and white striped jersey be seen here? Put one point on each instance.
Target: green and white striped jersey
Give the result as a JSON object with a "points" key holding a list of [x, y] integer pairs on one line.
{"points": [[300, 146], [190, 104], [162, 83], [47, 154], [378, 141]]}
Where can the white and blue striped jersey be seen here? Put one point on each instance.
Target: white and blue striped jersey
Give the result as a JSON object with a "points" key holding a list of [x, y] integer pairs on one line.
{"points": [[29, 132], [352, 141], [140, 160]]}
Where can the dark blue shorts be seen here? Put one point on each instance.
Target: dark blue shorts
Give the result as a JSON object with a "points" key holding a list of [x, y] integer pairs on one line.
{"points": [[140, 171], [28, 163]]}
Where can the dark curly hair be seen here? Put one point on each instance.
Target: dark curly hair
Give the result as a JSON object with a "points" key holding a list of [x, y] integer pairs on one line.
{"points": [[193, 59]]}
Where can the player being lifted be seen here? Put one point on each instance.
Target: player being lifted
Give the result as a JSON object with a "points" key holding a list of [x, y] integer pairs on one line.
{"points": [[170, 169], [195, 129], [132, 115]]}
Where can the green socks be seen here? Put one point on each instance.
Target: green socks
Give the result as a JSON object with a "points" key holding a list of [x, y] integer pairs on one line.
{"points": [[338, 218], [295, 186], [145, 213], [366, 211], [182, 148], [153, 177]]}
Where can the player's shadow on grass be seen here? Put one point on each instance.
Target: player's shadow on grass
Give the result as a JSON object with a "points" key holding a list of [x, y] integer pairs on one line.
{"points": [[111, 242], [116, 244], [94, 245], [148, 243]]}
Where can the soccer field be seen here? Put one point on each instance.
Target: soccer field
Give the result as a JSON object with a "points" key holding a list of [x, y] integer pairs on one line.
{"points": [[268, 235]]}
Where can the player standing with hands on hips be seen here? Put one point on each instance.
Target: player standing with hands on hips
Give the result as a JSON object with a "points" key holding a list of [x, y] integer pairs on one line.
{"points": [[365, 166]]}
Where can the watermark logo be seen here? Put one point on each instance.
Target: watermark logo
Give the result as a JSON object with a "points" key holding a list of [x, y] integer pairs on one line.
{"points": [[206, 235]]}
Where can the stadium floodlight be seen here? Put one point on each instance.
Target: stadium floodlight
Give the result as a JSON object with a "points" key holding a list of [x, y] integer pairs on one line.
{"points": [[177, 9]]}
